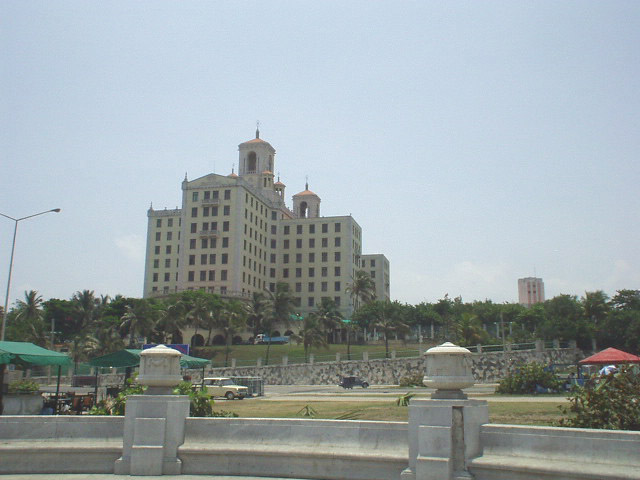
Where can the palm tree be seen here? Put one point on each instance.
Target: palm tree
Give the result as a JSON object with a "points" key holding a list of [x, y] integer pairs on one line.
{"points": [[171, 319], [281, 305], [257, 312], [388, 319], [30, 316], [362, 289], [329, 316], [233, 318], [312, 334], [199, 313], [468, 329], [136, 321]]}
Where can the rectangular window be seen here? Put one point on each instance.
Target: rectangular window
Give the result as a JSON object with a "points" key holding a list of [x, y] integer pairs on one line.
{"points": [[272, 257], [170, 222], [312, 257], [225, 258], [325, 242], [156, 250], [273, 244], [336, 271], [285, 273], [325, 227], [299, 243], [205, 226], [286, 229], [272, 272], [336, 256], [273, 230], [227, 196], [194, 212], [310, 301], [298, 272], [225, 242], [285, 258], [298, 287], [225, 226], [203, 275], [324, 272], [215, 195], [337, 227], [156, 263], [299, 229], [274, 216], [323, 286], [325, 256], [191, 276], [373, 263], [298, 258], [203, 259], [192, 259], [194, 196], [286, 244], [155, 277], [337, 286], [336, 241], [194, 227], [226, 210], [214, 226], [372, 274], [207, 195], [212, 275], [192, 244], [214, 211], [166, 277], [223, 275], [168, 249], [312, 228], [205, 211], [169, 236], [311, 286], [204, 243], [312, 272], [159, 223], [212, 259], [167, 263], [312, 243], [214, 242], [336, 300], [157, 236]]}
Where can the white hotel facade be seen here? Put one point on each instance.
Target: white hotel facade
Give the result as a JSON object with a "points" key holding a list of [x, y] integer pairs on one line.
{"points": [[235, 235]]}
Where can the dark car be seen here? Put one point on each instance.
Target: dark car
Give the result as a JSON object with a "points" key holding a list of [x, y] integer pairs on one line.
{"points": [[350, 382]]}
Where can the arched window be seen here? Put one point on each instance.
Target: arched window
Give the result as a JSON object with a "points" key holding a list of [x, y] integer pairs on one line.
{"points": [[197, 340], [304, 210], [217, 340], [252, 162]]}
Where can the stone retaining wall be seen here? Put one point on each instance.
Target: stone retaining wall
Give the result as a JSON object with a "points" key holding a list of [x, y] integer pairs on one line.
{"points": [[487, 367]]}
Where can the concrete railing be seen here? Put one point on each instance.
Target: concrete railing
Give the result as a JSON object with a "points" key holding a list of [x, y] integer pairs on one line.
{"points": [[322, 449], [528, 453], [59, 444]]}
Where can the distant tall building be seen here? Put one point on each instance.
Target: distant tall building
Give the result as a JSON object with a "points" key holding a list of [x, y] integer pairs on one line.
{"points": [[530, 291], [234, 235]]}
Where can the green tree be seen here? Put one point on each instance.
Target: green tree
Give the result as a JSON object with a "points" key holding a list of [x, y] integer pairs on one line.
{"points": [[233, 319], [596, 307], [171, 318], [136, 321], [28, 319], [281, 304], [386, 317], [329, 316], [469, 329], [311, 334], [362, 289]]}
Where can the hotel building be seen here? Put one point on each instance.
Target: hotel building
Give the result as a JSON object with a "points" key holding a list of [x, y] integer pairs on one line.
{"points": [[235, 235]]}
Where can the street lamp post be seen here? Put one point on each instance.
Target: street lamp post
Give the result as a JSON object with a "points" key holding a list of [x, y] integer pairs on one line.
{"points": [[13, 247]]}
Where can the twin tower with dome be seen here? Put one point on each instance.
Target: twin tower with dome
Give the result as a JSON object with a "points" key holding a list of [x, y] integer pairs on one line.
{"points": [[235, 235]]}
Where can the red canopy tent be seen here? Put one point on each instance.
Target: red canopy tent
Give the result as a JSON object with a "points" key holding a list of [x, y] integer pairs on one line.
{"points": [[610, 356]]}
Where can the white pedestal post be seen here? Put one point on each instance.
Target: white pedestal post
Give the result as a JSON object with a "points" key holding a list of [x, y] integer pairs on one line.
{"points": [[154, 423], [444, 432]]}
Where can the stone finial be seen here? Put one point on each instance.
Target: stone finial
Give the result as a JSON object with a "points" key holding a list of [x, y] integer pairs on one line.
{"points": [[448, 371], [160, 369]]}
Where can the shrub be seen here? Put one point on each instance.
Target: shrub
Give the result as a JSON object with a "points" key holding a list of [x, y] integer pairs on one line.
{"points": [[23, 386], [610, 402], [412, 380], [528, 378]]}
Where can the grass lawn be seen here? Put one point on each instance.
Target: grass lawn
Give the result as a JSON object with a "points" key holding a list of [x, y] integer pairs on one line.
{"points": [[517, 413]]}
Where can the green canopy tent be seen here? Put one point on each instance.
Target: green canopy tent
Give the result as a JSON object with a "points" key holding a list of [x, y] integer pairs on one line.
{"points": [[130, 357], [27, 354]]}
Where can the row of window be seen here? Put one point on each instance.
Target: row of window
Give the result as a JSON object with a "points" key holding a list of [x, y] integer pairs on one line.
{"points": [[167, 263], [311, 287], [312, 228], [169, 222], [311, 301], [311, 256], [311, 272], [324, 242], [211, 195], [207, 275], [167, 277]]}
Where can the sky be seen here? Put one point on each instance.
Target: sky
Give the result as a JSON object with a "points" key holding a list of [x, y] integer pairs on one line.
{"points": [[475, 143]]}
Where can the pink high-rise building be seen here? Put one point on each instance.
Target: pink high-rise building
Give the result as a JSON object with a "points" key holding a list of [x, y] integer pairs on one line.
{"points": [[530, 291]]}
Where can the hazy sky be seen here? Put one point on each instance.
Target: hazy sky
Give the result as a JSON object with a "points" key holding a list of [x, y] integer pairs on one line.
{"points": [[474, 142]]}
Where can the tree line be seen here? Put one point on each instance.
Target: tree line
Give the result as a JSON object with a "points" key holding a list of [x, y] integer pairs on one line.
{"points": [[94, 325]]}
